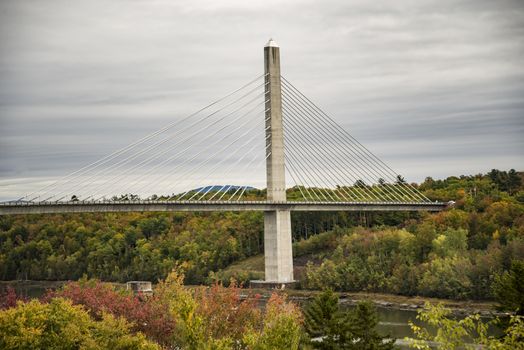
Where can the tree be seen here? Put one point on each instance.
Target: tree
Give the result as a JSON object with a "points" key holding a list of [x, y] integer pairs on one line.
{"points": [[446, 278], [509, 288], [335, 328], [514, 181], [506, 181], [321, 315], [61, 325], [280, 328], [224, 313], [9, 298], [451, 333], [424, 236], [363, 321], [400, 179], [360, 183], [451, 243], [218, 318], [149, 315]]}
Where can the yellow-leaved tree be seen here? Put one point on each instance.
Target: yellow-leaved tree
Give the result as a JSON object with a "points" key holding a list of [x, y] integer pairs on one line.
{"points": [[61, 325]]}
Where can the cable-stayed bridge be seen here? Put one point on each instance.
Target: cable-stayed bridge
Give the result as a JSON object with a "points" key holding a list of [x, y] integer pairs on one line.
{"points": [[266, 134]]}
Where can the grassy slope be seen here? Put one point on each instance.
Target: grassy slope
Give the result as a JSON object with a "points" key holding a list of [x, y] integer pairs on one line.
{"points": [[254, 264]]}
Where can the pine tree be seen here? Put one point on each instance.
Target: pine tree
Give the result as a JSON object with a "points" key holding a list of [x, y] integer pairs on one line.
{"points": [[342, 329], [509, 288], [321, 313], [364, 320], [514, 181]]}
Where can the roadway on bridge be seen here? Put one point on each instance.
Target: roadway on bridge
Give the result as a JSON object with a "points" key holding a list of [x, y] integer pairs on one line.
{"points": [[183, 206]]}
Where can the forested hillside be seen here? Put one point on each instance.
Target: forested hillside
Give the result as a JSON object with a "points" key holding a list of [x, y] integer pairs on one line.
{"points": [[457, 253], [122, 247]]}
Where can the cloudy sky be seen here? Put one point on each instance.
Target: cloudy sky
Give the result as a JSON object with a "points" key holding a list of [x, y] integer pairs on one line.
{"points": [[432, 87]]}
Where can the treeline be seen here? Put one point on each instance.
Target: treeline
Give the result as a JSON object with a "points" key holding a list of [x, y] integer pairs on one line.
{"points": [[427, 262], [123, 247], [457, 253], [407, 253], [142, 246]]}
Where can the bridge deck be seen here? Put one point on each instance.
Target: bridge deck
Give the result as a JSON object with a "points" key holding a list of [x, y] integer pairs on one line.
{"points": [[181, 206]]}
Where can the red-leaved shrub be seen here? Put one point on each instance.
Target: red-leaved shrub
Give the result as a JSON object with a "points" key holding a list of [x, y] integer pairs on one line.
{"points": [[225, 313], [149, 315], [9, 298]]}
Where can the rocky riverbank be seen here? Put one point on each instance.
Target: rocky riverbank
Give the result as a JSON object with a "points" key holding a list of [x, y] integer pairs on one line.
{"points": [[398, 302]]}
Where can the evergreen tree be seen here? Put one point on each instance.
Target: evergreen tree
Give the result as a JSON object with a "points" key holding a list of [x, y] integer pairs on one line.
{"points": [[514, 181], [509, 288], [506, 181], [321, 314], [363, 321], [400, 179], [335, 328]]}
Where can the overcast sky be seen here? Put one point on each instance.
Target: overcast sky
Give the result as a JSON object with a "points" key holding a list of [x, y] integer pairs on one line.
{"points": [[434, 88]]}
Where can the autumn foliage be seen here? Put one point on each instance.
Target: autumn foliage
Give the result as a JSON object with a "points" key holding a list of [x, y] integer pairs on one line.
{"points": [[225, 312], [148, 315], [174, 317], [9, 298], [59, 324]]}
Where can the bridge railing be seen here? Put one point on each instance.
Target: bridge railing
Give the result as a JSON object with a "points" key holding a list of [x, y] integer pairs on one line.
{"points": [[145, 202]]}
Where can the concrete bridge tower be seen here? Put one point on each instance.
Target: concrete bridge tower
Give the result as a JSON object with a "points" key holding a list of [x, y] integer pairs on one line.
{"points": [[277, 224]]}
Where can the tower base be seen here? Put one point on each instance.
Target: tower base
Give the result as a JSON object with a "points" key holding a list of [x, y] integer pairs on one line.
{"points": [[278, 252], [272, 285]]}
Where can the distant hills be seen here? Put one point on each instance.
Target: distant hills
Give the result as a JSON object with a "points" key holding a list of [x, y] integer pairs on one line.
{"points": [[221, 188]]}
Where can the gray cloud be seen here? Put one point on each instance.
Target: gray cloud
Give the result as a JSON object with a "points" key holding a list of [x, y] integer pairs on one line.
{"points": [[432, 87]]}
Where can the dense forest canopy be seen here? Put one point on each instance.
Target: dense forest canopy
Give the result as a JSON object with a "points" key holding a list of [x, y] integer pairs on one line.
{"points": [[456, 253]]}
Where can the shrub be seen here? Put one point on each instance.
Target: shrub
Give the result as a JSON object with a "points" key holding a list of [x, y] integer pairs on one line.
{"points": [[9, 298], [453, 333], [149, 315], [509, 288], [446, 278], [61, 325], [280, 327]]}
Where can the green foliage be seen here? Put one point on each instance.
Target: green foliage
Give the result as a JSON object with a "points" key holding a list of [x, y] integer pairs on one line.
{"points": [[451, 243], [446, 278], [321, 314], [513, 336], [467, 333], [456, 253], [127, 246], [387, 260], [280, 329], [452, 254], [316, 243], [506, 181], [363, 322], [60, 325], [509, 288], [334, 328], [175, 317], [217, 318], [424, 236]]}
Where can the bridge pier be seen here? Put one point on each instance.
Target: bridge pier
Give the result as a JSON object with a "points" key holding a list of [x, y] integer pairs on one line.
{"points": [[277, 247], [278, 252]]}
